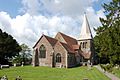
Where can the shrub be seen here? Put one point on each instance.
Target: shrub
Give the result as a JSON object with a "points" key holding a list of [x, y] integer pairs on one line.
{"points": [[107, 67], [17, 60]]}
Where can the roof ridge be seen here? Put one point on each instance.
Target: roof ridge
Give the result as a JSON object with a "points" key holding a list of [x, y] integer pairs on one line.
{"points": [[66, 35], [63, 42], [53, 42], [68, 47], [50, 37]]}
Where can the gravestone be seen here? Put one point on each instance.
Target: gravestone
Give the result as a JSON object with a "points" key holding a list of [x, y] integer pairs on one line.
{"points": [[22, 64], [14, 64], [4, 78]]}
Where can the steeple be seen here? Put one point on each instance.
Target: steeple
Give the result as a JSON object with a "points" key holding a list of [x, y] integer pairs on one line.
{"points": [[85, 30]]}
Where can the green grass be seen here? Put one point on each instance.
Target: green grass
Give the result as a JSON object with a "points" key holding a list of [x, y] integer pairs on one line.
{"points": [[46, 73], [116, 72]]}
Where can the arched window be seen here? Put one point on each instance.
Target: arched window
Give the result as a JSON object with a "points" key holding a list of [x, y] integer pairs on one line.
{"points": [[42, 51], [58, 58], [83, 45]]}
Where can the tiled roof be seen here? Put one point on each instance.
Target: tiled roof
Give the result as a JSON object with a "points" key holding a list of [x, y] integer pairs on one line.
{"points": [[51, 40], [76, 47], [70, 45], [68, 39], [67, 47]]}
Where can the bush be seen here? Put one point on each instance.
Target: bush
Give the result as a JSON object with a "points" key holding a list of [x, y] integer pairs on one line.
{"points": [[107, 67], [17, 60]]}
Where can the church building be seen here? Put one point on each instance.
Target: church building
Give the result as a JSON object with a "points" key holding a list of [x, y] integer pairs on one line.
{"points": [[64, 51]]}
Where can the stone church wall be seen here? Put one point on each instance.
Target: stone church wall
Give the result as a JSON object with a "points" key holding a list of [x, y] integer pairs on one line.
{"points": [[49, 51], [60, 49]]}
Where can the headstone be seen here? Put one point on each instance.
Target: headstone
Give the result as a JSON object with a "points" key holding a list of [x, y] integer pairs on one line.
{"points": [[22, 64], [14, 64], [4, 78], [83, 64], [60, 65]]}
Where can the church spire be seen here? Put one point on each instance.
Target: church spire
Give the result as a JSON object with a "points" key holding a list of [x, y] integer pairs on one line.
{"points": [[85, 30]]}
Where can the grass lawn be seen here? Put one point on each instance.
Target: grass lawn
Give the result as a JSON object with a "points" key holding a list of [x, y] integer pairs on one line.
{"points": [[46, 73], [117, 72]]}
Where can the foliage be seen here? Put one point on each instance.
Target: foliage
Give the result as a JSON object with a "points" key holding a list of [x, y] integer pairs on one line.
{"points": [[46, 73], [25, 53], [116, 71], [8, 47], [17, 59], [108, 67], [107, 39]]}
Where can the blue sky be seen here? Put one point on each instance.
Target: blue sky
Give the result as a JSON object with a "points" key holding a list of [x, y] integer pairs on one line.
{"points": [[10, 6], [26, 20], [13, 6]]}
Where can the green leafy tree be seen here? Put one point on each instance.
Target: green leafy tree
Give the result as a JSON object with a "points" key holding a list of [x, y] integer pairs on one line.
{"points": [[8, 47], [25, 53], [107, 39], [17, 60]]}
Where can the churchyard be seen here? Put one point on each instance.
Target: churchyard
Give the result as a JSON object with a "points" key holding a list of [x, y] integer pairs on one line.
{"points": [[46, 73]]}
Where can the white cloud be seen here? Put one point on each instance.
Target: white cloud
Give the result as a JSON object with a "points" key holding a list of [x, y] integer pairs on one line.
{"points": [[53, 7], [5, 21], [28, 28], [30, 6]]}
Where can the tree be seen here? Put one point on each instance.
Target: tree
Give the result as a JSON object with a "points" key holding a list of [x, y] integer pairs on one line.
{"points": [[107, 39], [25, 53], [8, 47]]}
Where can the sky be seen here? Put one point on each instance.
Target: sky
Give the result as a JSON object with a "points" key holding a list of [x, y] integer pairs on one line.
{"points": [[27, 20]]}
